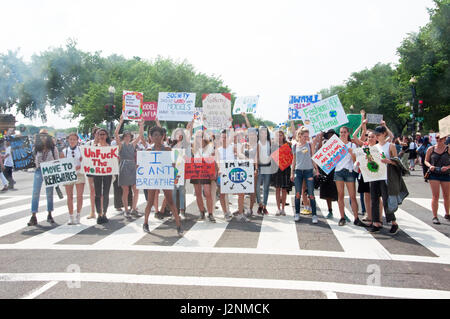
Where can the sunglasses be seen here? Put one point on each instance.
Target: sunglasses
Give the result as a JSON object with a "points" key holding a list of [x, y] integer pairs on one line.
{"points": [[102, 134]]}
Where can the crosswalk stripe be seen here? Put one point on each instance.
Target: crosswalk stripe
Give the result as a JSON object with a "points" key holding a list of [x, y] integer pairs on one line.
{"points": [[13, 200], [278, 232], [13, 226], [17, 209], [424, 234], [131, 233], [354, 240], [426, 203]]}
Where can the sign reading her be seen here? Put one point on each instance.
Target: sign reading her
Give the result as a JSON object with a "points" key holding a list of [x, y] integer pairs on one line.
{"points": [[155, 170], [100, 160], [59, 172], [330, 154], [236, 177]]}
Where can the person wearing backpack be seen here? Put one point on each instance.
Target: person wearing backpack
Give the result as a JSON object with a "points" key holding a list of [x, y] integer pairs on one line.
{"points": [[422, 151]]}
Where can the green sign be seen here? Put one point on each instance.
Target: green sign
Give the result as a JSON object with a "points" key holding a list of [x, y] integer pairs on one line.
{"points": [[354, 121]]}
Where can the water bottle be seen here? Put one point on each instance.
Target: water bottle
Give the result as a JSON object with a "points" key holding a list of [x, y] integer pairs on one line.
{"points": [[59, 192]]}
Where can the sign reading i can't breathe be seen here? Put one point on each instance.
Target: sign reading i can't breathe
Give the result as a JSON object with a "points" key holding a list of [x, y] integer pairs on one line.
{"points": [[155, 170], [236, 177], [100, 160], [59, 172]]}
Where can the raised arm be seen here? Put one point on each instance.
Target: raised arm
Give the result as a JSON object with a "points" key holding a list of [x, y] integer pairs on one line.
{"points": [[390, 135], [247, 122], [141, 133], [355, 138], [157, 122], [116, 132]]}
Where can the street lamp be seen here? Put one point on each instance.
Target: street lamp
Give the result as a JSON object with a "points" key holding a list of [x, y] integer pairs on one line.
{"points": [[352, 108], [111, 109], [413, 81]]}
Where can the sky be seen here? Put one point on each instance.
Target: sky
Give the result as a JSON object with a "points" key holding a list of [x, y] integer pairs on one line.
{"points": [[273, 49]]}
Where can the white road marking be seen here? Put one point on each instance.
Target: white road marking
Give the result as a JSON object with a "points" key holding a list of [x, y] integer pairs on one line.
{"points": [[393, 292], [13, 199], [37, 292], [354, 240], [426, 203], [330, 294], [18, 209]]}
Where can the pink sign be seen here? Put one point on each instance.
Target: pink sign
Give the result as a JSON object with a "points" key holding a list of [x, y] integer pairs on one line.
{"points": [[149, 111]]}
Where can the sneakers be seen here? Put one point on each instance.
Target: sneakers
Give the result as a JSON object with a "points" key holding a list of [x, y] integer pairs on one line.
{"points": [[260, 210], [72, 220], [297, 217], [249, 213], [4, 189], [127, 214], [102, 220], [183, 214], [211, 218], [358, 222], [447, 216], [315, 219], [180, 231], [241, 218], [33, 221], [342, 222], [77, 219], [159, 215], [330, 215], [394, 229], [283, 213], [366, 218], [50, 219], [265, 212], [202, 215], [228, 217], [278, 213], [347, 219], [374, 229], [135, 213], [145, 228], [436, 221]]}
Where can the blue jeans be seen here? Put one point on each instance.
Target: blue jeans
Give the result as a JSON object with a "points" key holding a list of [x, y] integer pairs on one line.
{"points": [[265, 180], [37, 184], [180, 192], [308, 176]]}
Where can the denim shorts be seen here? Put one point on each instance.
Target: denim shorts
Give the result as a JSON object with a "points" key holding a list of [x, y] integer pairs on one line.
{"points": [[345, 175]]}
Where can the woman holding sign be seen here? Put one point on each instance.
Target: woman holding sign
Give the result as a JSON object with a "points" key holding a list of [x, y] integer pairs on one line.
{"points": [[127, 166], [74, 151], [45, 151]]}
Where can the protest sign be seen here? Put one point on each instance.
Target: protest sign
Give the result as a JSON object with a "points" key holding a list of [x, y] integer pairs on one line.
{"points": [[444, 126], [283, 156], [330, 154], [59, 172], [176, 106], [237, 177], [354, 121], [178, 157], [155, 170], [297, 102], [374, 118], [246, 104], [200, 168], [149, 111], [132, 105], [22, 152], [323, 115], [100, 160], [369, 159], [433, 138], [217, 110]]}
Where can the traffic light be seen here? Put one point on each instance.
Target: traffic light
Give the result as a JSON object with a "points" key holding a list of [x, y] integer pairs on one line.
{"points": [[420, 106]]}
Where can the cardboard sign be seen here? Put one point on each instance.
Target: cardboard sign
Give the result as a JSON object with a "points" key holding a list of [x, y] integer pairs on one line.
{"points": [[330, 154], [323, 115], [178, 107], [374, 118], [22, 153], [237, 177], [59, 172], [354, 121], [444, 126], [155, 170], [100, 161], [217, 110], [132, 105], [297, 102], [149, 111], [370, 164], [246, 104], [200, 168], [283, 157], [178, 157]]}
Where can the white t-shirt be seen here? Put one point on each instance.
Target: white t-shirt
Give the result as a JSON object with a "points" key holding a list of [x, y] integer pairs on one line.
{"points": [[412, 145], [9, 160], [76, 155], [347, 161], [226, 154]]}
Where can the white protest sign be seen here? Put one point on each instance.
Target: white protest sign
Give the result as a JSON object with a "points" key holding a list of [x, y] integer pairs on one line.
{"points": [[155, 170], [374, 118], [330, 154], [297, 102], [369, 159], [323, 115], [132, 105], [100, 161], [237, 177], [59, 172], [217, 110], [178, 107], [246, 104]]}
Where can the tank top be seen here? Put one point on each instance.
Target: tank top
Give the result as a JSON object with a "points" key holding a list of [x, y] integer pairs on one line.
{"points": [[264, 153], [439, 160], [385, 149]]}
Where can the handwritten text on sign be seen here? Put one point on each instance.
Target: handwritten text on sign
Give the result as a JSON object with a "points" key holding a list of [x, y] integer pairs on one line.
{"points": [[176, 106], [22, 153], [200, 168], [237, 177], [59, 172], [149, 111], [323, 115], [246, 104], [155, 170], [330, 154], [283, 157], [298, 102], [217, 110], [100, 160], [132, 105]]}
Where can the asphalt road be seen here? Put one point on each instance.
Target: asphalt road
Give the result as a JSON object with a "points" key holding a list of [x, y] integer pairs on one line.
{"points": [[268, 257]]}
